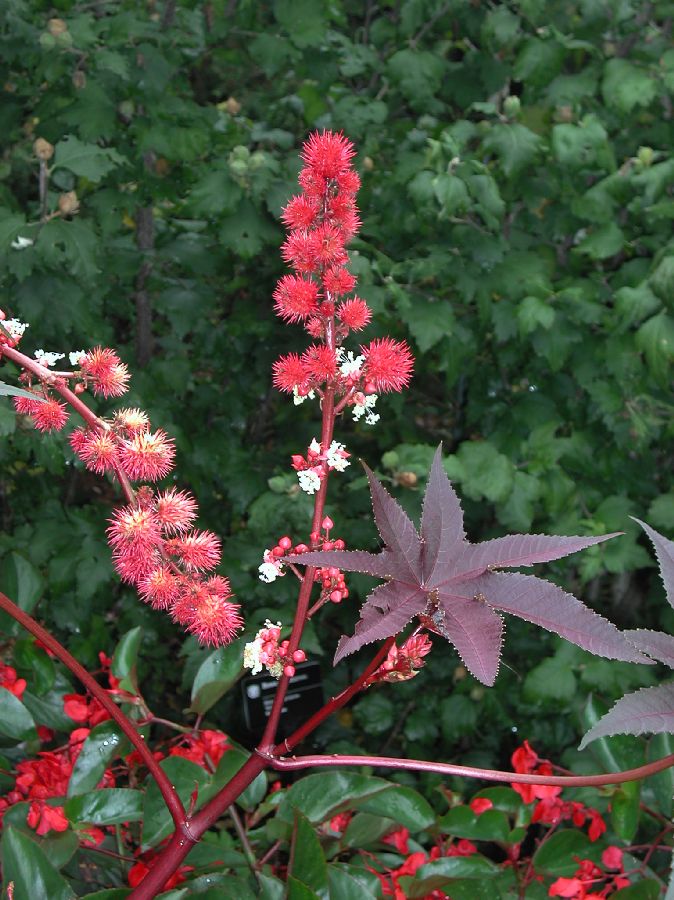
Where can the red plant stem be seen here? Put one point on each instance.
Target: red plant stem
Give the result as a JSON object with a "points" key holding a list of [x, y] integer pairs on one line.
{"points": [[420, 765], [168, 792]]}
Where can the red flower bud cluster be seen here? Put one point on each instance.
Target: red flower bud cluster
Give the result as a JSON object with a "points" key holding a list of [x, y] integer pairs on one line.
{"points": [[11, 682], [404, 662]]}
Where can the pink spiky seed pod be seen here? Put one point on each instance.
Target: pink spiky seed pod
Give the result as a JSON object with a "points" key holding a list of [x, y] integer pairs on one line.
{"points": [[290, 372], [96, 449], [176, 510], [196, 550], [205, 611], [354, 313], [295, 298], [109, 374], [298, 250], [320, 362], [338, 281], [25, 406], [327, 245], [134, 530], [388, 364], [300, 212], [51, 415], [131, 420], [328, 154], [160, 588], [147, 456]]}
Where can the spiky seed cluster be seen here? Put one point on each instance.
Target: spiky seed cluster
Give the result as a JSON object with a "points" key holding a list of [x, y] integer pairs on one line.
{"points": [[155, 548], [321, 221]]}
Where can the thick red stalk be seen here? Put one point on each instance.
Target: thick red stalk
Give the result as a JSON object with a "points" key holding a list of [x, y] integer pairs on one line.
{"points": [[168, 792], [420, 765]]}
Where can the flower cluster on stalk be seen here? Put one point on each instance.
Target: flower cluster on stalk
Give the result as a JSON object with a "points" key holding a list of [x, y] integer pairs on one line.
{"points": [[155, 545]]}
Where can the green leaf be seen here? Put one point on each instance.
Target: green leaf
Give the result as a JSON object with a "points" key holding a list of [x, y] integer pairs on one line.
{"points": [[86, 160], [582, 146], [435, 875], [661, 512], [452, 195], [228, 766], [125, 657], [375, 713], [299, 891], [343, 885], [323, 795], [557, 856], [515, 145], [307, 862], [655, 339], [646, 889], [101, 746], [625, 810], [625, 86], [218, 672], [304, 20], [550, 680], [25, 864], [482, 470], [662, 280], [418, 74], [491, 825], [402, 804], [21, 581], [109, 806], [365, 830], [185, 776], [108, 894], [430, 322], [15, 720], [604, 241], [662, 783], [533, 313], [8, 390], [70, 247], [458, 716]]}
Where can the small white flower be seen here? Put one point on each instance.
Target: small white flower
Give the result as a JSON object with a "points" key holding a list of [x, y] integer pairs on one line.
{"points": [[15, 328], [76, 357], [268, 572], [337, 457], [366, 406], [47, 359], [298, 399], [251, 656], [351, 365], [20, 243], [309, 480], [314, 446]]}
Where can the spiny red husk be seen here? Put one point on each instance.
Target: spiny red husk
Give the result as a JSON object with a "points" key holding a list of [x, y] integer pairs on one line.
{"points": [[109, 375], [388, 364], [96, 449], [176, 510], [328, 154], [354, 313], [147, 456], [295, 298], [196, 550], [290, 372], [206, 612], [51, 415], [320, 362]]}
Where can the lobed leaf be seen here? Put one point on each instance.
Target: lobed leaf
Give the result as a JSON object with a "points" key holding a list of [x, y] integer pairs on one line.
{"points": [[656, 643], [664, 550], [650, 710]]}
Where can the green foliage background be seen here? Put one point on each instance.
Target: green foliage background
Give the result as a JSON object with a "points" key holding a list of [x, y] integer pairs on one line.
{"points": [[517, 204]]}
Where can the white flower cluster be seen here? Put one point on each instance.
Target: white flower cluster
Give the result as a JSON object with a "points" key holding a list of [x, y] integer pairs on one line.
{"points": [[48, 359], [298, 399], [310, 481], [337, 457], [365, 408], [252, 654], [270, 569], [350, 364], [15, 328], [76, 357]]}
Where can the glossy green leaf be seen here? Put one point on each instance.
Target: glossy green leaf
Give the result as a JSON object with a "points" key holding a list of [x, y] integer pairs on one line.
{"points": [[228, 766], [625, 810], [366, 830], [25, 865], [402, 804], [15, 720], [125, 658], [345, 886], [218, 672], [109, 806], [298, 891], [307, 862], [102, 744], [185, 776], [662, 783], [21, 581], [557, 855], [442, 872], [491, 825], [645, 889], [108, 894], [88, 160], [323, 795]]}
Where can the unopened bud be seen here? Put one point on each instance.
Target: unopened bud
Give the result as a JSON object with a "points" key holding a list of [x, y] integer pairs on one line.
{"points": [[43, 149], [368, 164], [406, 479], [511, 107], [69, 205], [289, 671], [79, 80], [232, 106], [645, 156], [460, 673], [327, 523], [299, 656], [285, 542], [56, 27]]}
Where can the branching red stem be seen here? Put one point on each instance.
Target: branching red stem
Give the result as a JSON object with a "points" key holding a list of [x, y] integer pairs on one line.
{"points": [[168, 792]]}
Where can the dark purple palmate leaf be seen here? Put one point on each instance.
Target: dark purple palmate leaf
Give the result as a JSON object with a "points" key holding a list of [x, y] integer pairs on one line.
{"points": [[650, 710], [451, 585], [655, 643], [664, 550]]}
